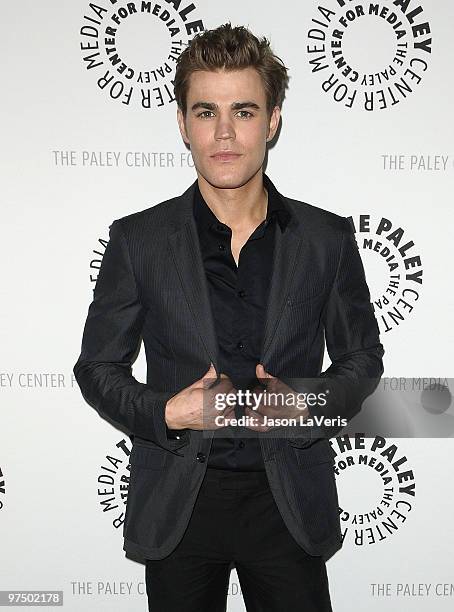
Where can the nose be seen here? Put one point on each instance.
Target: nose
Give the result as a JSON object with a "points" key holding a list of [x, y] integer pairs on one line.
{"points": [[224, 128]]}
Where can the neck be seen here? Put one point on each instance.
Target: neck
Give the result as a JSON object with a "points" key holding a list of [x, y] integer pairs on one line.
{"points": [[240, 207]]}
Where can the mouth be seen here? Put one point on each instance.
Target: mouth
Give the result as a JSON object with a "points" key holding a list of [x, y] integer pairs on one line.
{"points": [[225, 157]]}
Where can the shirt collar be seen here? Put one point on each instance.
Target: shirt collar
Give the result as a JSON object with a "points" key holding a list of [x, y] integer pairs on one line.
{"points": [[205, 217]]}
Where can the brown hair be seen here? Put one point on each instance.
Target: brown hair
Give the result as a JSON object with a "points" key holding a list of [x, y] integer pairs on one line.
{"points": [[231, 49]]}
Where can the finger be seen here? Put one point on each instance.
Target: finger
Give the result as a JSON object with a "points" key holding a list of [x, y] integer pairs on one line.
{"points": [[255, 423], [224, 387], [261, 373], [261, 370], [209, 376]]}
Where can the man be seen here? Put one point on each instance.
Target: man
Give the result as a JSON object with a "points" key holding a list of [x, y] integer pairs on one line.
{"points": [[230, 283]]}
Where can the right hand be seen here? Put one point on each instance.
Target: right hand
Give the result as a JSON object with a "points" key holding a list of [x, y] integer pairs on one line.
{"points": [[194, 406]]}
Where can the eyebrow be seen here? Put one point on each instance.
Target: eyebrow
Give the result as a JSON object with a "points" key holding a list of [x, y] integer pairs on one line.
{"points": [[234, 106]]}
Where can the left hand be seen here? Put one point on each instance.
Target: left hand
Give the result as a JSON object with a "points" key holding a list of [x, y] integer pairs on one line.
{"points": [[278, 407]]}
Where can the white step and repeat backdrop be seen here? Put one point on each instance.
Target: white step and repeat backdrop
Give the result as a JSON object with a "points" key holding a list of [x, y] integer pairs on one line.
{"points": [[367, 132]]}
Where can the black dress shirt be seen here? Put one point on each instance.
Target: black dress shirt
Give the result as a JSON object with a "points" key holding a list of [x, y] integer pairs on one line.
{"points": [[238, 296]]}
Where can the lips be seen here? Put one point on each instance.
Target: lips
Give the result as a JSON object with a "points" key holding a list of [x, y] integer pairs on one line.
{"points": [[225, 156]]}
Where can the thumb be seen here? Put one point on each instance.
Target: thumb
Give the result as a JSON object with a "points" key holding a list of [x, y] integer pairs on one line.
{"points": [[261, 372], [209, 374]]}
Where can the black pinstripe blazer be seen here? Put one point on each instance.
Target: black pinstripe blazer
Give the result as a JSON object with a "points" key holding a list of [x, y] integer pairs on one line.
{"points": [[152, 284]]}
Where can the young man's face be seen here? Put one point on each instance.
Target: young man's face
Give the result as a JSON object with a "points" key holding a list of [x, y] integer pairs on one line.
{"points": [[226, 111]]}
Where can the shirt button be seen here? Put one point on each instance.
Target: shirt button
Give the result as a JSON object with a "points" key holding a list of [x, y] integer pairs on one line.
{"points": [[201, 457], [241, 293], [240, 345], [221, 247], [241, 444]]}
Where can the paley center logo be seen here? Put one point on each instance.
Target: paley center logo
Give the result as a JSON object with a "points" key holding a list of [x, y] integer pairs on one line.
{"points": [[369, 55], [113, 483], [376, 488], [393, 265], [131, 48]]}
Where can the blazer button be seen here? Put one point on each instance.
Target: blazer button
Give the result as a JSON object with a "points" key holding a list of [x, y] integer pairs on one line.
{"points": [[201, 457]]}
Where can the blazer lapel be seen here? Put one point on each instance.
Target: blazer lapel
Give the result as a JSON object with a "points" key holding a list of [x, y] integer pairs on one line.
{"points": [[286, 249], [187, 257]]}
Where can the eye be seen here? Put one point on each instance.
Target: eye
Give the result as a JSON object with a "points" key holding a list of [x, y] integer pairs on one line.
{"points": [[203, 115], [247, 113]]}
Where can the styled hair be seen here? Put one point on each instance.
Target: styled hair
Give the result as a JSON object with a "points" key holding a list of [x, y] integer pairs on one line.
{"points": [[231, 48]]}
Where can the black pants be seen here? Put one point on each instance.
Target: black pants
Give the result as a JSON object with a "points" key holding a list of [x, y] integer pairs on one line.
{"points": [[235, 519]]}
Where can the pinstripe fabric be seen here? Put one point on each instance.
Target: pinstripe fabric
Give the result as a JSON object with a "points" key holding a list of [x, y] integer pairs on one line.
{"points": [[152, 285]]}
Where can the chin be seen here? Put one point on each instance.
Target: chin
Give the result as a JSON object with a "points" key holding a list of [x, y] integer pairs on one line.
{"points": [[228, 179]]}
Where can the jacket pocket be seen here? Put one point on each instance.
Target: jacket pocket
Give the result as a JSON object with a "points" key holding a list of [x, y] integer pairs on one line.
{"points": [[309, 453], [148, 457]]}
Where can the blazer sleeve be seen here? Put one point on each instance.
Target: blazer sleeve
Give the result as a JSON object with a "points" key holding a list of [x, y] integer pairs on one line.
{"points": [[352, 339], [111, 337]]}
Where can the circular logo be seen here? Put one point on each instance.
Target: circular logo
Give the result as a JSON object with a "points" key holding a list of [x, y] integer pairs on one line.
{"points": [[369, 55], [380, 486], [131, 48], [394, 269], [113, 483]]}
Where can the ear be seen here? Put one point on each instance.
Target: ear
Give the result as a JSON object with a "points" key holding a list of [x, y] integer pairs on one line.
{"points": [[274, 123], [181, 125]]}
